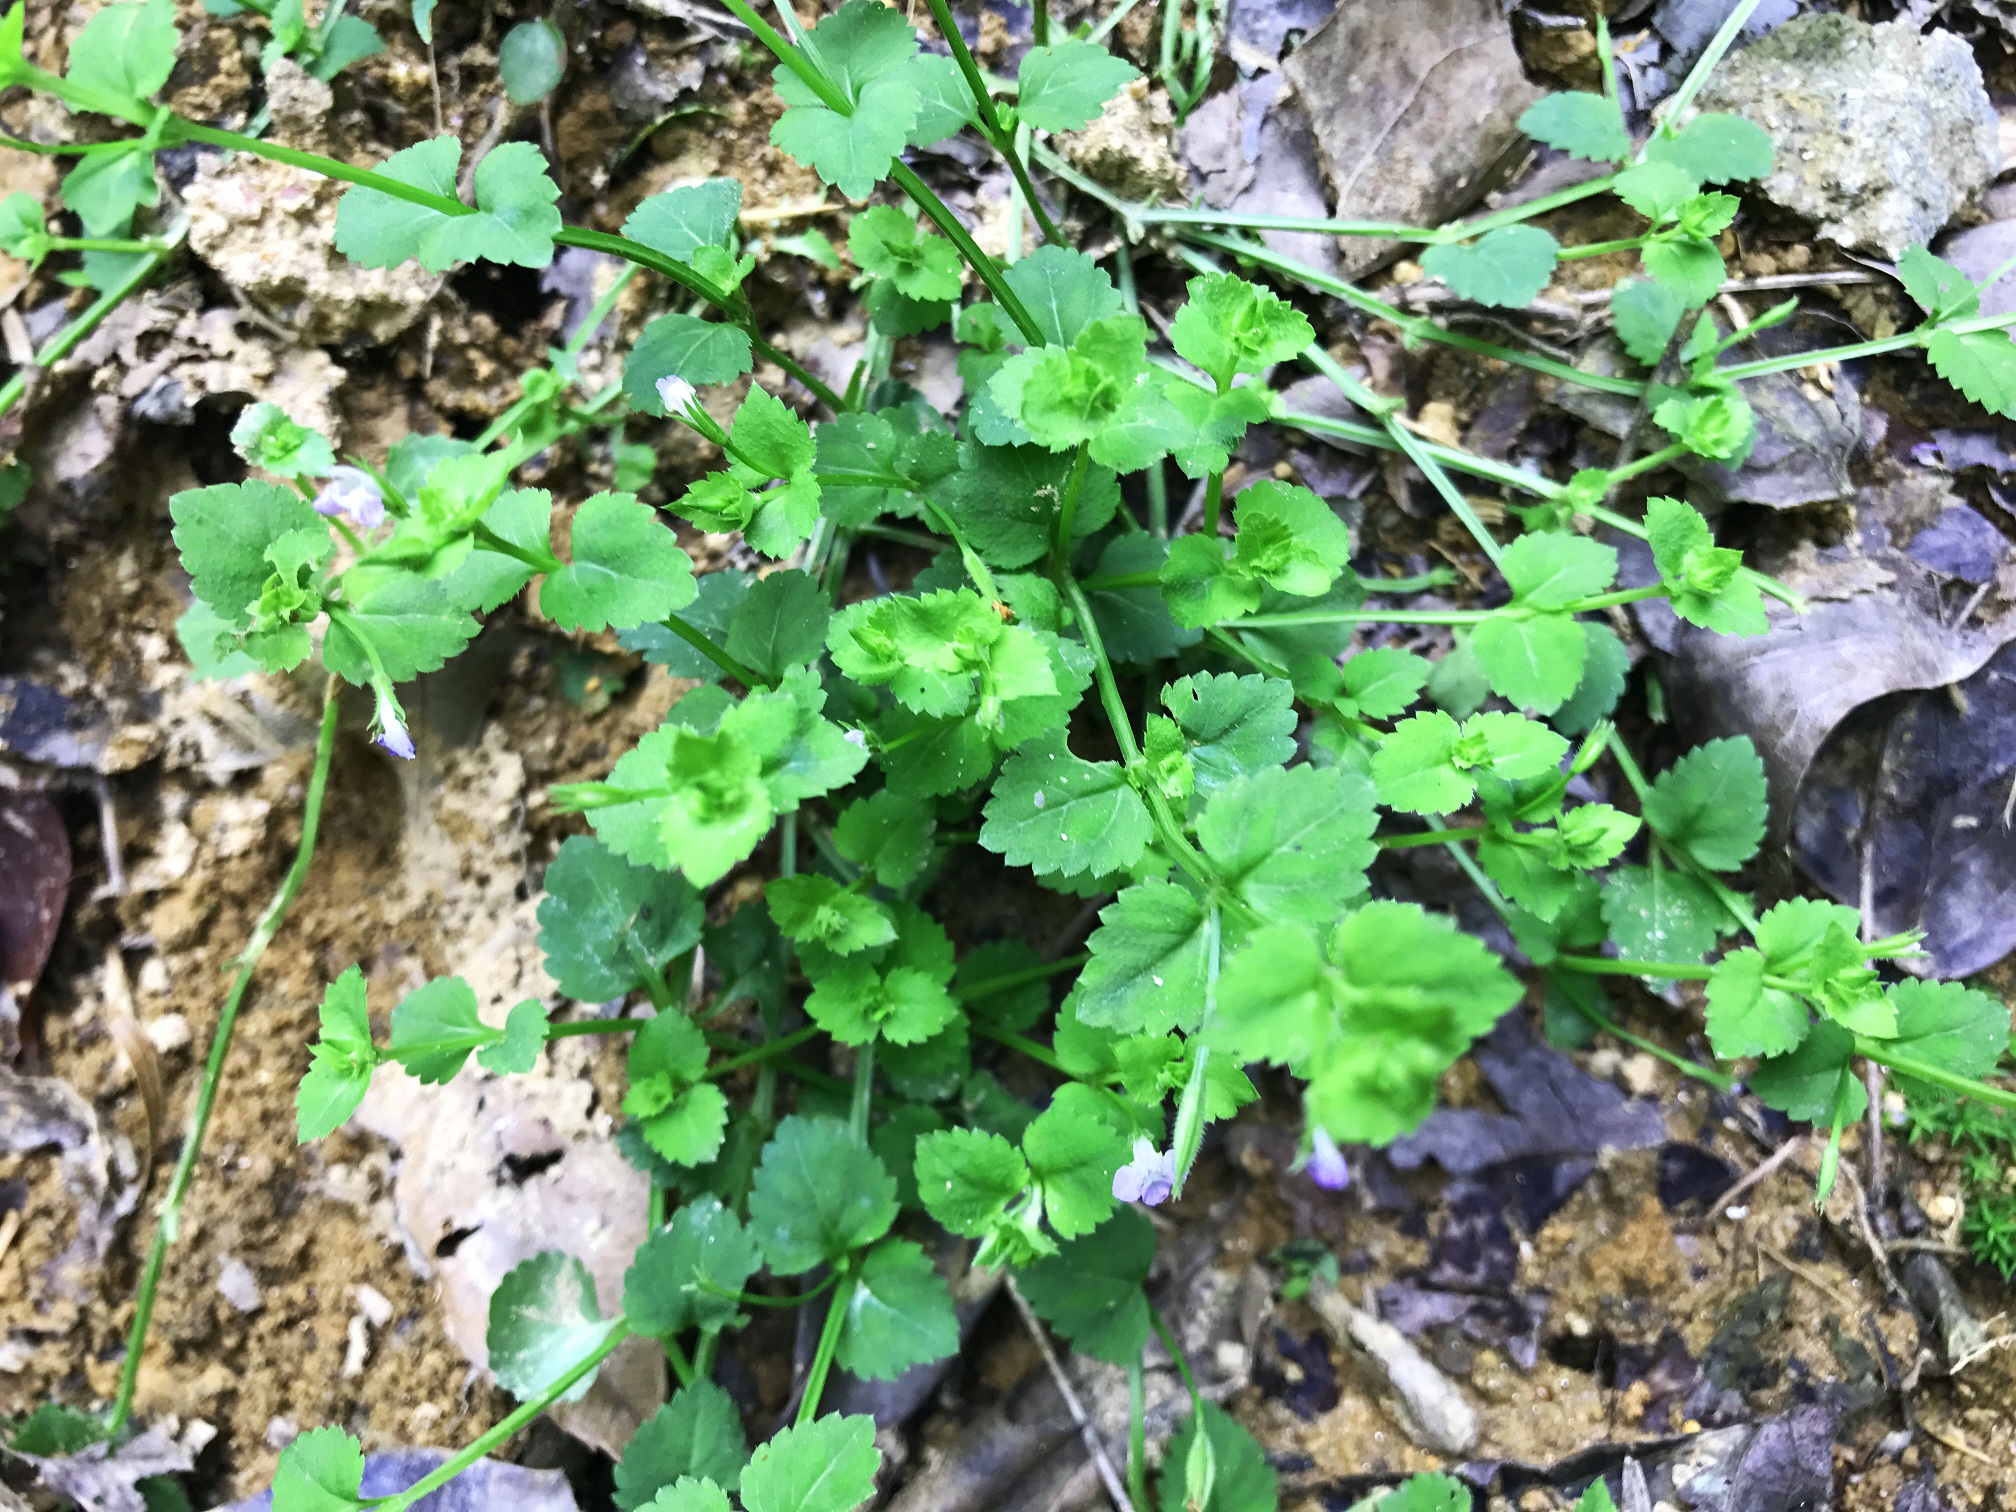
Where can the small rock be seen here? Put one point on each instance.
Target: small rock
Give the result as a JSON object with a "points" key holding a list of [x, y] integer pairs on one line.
{"points": [[170, 1032], [374, 1304], [280, 1432], [357, 1350], [1884, 134], [1127, 149], [237, 1285]]}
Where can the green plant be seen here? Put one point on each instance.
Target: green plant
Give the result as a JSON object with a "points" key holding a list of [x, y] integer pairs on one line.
{"points": [[1983, 1142], [982, 705]]}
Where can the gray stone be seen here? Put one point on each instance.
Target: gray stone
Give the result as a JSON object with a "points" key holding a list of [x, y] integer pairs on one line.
{"points": [[1883, 134]]}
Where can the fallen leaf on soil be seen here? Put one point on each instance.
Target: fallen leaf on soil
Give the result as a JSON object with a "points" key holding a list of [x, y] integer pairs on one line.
{"points": [[486, 1486]]}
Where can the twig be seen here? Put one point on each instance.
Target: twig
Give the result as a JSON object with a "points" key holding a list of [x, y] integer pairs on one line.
{"points": [[1972, 1355], [1868, 1233], [10, 1225], [1094, 1445], [1956, 1443], [1811, 1277], [1777, 1158]]}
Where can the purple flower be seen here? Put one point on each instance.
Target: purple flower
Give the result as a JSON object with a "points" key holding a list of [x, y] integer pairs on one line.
{"points": [[388, 727], [1148, 1178], [355, 495], [1326, 1166]]}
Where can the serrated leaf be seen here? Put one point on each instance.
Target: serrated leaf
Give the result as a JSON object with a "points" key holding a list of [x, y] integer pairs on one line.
{"points": [[1293, 843], [818, 1195], [679, 222], [1712, 803], [1228, 326], [435, 1027], [1506, 268], [106, 188], [1555, 569], [1064, 87], [898, 1315], [826, 1465], [1745, 1017], [1059, 814], [781, 623], [887, 835], [678, 345], [266, 438], [1715, 149], [1233, 726], [1805, 1084], [1383, 682], [812, 909], [1427, 1493], [851, 152], [1689, 269], [1981, 365], [223, 533], [697, 1434], [602, 917], [887, 243], [967, 1177], [704, 1243], [1241, 1478], [1073, 1153], [1660, 916], [1942, 291], [523, 1037], [627, 568], [1090, 1290], [1149, 958], [514, 220], [412, 624], [1064, 292], [544, 1320], [1005, 500], [1532, 663], [125, 50], [321, 1471], [1946, 1024], [1647, 315], [1587, 126]]}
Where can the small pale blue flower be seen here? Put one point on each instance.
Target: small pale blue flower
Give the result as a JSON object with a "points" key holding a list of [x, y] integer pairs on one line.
{"points": [[1327, 1166], [388, 726], [353, 494], [1148, 1178]]}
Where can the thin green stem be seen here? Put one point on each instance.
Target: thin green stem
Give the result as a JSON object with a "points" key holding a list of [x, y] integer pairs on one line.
{"points": [[750, 1299], [1364, 617], [1175, 1349], [864, 1093], [769, 1050], [506, 1428], [990, 272], [1137, 1434], [1067, 510], [829, 1342], [1043, 1055], [1604, 966], [220, 1049], [703, 1356], [990, 119], [698, 640], [1718, 45], [1414, 326], [675, 1356], [1883, 1054], [87, 321], [1679, 1063], [1448, 836], [1603, 248], [1008, 980]]}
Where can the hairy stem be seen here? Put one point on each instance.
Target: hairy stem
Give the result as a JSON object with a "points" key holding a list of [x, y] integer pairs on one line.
{"points": [[220, 1048]]}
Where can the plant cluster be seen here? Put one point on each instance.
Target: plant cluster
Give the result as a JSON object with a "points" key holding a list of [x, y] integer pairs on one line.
{"points": [[1231, 817]]}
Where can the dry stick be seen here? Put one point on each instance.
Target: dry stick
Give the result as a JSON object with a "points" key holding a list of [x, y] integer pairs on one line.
{"points": [[1867, 1231], [1777, 1158], [1094, 1445], [1811, 1277]]}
